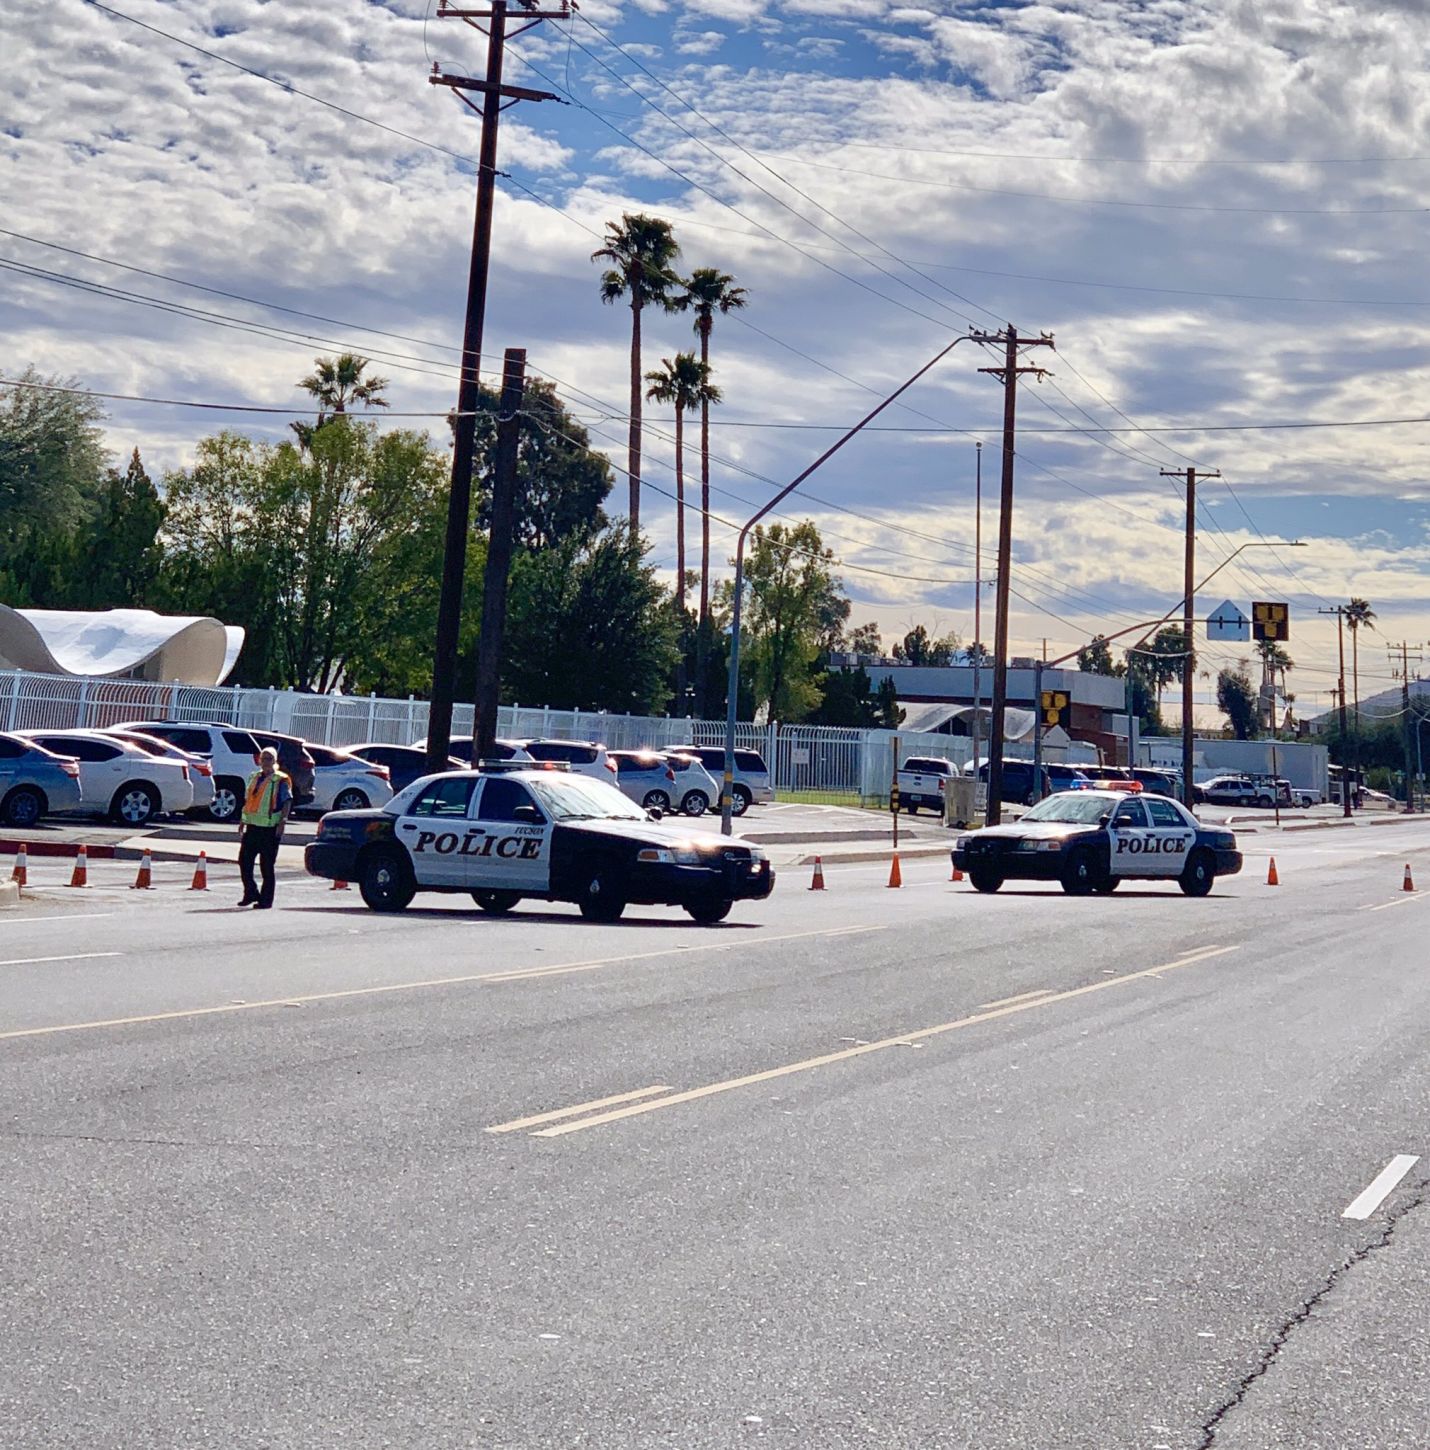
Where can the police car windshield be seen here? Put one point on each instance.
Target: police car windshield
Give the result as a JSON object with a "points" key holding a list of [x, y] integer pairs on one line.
{"points": [[576, 798], [1076, 807]]}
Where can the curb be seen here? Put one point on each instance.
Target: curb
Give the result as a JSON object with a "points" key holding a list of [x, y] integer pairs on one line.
{"points": [[56, 848], [855, 857]]}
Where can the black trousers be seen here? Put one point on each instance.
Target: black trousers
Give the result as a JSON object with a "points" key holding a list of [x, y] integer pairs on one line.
{"points": [[260, 843]]}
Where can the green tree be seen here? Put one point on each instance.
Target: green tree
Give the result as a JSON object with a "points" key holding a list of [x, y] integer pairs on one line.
{"points": [[867, 641], [683, 382], [119, 552], [337, 383], [588, 627], [705, 292], [53, 470], [642, 251], [561, 481], [1236, 699], [1096, 658], [796, 603], [917, 648]]}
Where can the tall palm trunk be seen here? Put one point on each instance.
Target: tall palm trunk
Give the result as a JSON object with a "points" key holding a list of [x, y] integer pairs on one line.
{"points": [[702, 632], [680, 512], [1355, 672], [633, 447]]}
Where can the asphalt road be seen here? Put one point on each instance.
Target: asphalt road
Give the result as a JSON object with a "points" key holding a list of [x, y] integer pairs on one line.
{"points": [[860, 1169]]}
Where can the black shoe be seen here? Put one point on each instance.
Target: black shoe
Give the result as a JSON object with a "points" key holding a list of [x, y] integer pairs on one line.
{"points": [[263, 906], [249, 901]]}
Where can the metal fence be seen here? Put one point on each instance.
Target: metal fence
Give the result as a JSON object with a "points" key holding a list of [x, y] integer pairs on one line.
{"points": [[820, 763]]}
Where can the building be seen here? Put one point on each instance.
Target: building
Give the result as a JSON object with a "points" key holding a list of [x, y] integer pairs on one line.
{"points": [[119, 644], [939, 698]]}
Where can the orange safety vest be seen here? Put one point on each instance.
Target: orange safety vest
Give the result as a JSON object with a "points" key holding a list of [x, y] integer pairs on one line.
{"points": [[264, 802]]}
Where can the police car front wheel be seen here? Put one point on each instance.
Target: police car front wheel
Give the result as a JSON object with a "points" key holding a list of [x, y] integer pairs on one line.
{"points": [[1198, 874], [1082, 875], [387, 883], [707, 913], [496, 903], [601, 899]]}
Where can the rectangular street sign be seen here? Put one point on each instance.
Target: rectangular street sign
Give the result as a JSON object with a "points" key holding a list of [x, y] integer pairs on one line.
{"points": [[1227, 621], [1270, 621]]}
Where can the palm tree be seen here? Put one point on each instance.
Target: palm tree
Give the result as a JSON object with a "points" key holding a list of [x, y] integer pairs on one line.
{"points": [[642, 250], [1275, 661], [1358, 612], [336, 382], [707, 291], [684, 382]]}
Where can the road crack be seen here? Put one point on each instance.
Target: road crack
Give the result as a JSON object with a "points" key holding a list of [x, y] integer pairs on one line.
{"points": [[1308, 1306]]}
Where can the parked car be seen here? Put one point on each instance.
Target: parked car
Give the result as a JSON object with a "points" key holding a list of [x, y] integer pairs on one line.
{"points": [[294, 760], [696, 790], [343, 781], [460, 748], [405, 763], [200, 771], [1156, 782], [751, 785], [645, 777], [585, 757], [922, 780], [120, 780], [1018, 788], [232, 754], [1234, 790], [35, 781]]}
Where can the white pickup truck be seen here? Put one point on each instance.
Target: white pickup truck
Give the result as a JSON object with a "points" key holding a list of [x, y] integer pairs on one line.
{"points": [[922, 782]]}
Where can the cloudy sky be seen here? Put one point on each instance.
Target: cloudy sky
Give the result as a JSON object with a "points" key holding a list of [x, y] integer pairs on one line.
{"points": [[1219, 210]]}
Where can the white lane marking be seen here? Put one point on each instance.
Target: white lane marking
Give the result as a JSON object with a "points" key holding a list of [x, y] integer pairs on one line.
{"points": [[69, 957], [1399, 901], [557, 1113], [1021, 997], [1380, 1187], [50, 920]]}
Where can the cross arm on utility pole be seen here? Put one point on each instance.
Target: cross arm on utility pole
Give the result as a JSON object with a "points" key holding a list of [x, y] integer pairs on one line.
{"points": [[470, 83]]}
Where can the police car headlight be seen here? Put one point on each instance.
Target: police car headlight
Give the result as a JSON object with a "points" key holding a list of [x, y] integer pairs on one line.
{"points": [[656, 856], [1040, 845], [960, 843]]}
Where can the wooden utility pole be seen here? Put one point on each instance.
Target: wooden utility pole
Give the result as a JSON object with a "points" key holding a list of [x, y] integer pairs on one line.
{"points": [[464, 422], [1008, 375], [1407, 723], [1189, 575], [494, 578]]}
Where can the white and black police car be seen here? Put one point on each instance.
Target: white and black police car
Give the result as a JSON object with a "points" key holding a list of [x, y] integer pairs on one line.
{"points": [[503, 834], [1092, 840]]}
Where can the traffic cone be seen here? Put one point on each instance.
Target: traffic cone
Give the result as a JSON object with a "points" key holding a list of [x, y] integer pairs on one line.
{"points": [[338, 886], [81, 868], [201, 873], [21, 874], [1272, 879], [1409, 884], [955, 874], [144, 881], [896, 877], [818, 883]]}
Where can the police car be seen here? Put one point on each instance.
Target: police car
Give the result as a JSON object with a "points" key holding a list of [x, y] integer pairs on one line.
{"points": [[503, 834], [1092, 840]]}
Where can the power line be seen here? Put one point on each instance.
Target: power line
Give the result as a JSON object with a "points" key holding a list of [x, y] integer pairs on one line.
{"points": [[193, 403]]}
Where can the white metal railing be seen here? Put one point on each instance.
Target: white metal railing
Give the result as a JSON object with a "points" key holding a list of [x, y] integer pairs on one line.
{"points": [[815, 759]]}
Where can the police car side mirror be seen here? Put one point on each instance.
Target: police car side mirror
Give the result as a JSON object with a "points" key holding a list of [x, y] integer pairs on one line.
{"points": [[655, 813], [528, 815], [1105, 819]]}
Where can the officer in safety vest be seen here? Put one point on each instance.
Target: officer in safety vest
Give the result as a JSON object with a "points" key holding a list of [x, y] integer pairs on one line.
{"points": [[266, 804]]}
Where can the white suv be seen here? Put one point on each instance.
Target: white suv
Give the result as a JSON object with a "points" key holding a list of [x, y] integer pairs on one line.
{"points": [[584, 757], [232, 754]]}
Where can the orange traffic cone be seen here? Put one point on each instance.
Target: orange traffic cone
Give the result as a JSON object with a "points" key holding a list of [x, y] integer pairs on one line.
{"points": [[81, 868], [1409, 884], [338, 886], [144, 881], [896, 877], [955, 874], [1272, 879], [201, 873], [818, 883], [21, 874]]}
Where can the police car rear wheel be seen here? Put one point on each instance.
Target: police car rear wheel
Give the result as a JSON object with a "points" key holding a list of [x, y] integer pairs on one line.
{"points": [[988, 881], [695, 803], [1107, 886], [387, 883], [496, 903], [1081, 876], [707, 913], [1198, 874], [600, 898], [656, 800]]}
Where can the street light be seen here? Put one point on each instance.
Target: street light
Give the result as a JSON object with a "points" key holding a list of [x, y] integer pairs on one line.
{"points": [[1147, 626], [727, 785]]}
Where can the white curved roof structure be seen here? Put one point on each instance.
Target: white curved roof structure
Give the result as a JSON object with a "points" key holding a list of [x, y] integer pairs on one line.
{"points": [[127, 644]]}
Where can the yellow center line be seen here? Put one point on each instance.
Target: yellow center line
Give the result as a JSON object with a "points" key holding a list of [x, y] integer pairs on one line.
{"points": [[578, 1108], [484, 978], [904, 1039]]}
